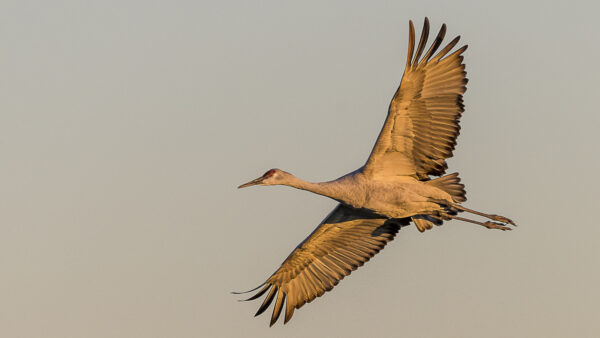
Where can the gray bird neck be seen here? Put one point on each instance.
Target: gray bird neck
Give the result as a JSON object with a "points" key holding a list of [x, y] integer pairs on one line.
{"points": [[331, 189]]}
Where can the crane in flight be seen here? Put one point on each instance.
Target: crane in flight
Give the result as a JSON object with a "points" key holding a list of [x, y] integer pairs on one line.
{"points": [[391, 189]]}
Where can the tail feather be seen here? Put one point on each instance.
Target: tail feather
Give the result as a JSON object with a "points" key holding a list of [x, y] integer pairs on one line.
{"points": [[425, 222], [451, 184]]}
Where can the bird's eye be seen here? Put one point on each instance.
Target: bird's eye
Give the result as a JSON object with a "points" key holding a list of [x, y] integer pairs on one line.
{"points": [[269, 173]]}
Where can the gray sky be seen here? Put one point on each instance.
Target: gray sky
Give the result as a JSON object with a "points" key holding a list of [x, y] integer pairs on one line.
{"points": [[126, 126]]}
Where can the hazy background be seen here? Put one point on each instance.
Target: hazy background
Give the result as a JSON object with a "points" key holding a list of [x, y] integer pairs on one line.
{"points": [[125, 128]]}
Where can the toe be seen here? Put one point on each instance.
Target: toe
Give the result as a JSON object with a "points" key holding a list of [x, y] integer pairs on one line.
{"points": [[503, 219]]}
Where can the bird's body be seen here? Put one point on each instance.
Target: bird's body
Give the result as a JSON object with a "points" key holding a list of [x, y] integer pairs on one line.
{"points": [[400, 197], [398, 183]]}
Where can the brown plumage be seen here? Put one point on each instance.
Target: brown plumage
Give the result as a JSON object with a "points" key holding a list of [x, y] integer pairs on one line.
{"points": [[345, 240], [391, 189], [422, 123]]}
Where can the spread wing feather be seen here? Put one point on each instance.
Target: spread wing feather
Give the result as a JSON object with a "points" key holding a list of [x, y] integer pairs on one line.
{"points": [[345, 240], [420, 131]]}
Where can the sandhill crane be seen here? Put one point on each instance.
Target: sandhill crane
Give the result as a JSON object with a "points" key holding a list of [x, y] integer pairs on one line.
{"points": [[392, 188]]}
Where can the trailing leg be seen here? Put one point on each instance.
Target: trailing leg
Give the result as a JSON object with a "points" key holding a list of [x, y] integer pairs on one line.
{"points": [[487, 224], [457, 207], [497, 218]]}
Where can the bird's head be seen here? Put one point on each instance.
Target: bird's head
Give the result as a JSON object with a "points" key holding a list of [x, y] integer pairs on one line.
{"points": [[271, 177]]}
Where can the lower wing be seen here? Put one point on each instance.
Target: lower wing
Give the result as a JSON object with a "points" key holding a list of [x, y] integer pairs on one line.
{"points": [[345, 240]]}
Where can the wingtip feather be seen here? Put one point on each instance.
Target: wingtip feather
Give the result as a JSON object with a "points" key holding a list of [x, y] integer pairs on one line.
{"points": [[243, 292], [277, 309], [258, 294], [411, 43], [289, 311], [435, 45], [267, 301], [422, 41]]}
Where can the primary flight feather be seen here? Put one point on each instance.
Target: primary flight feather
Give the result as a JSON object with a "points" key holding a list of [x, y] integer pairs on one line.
{"points": [[393, 188]]}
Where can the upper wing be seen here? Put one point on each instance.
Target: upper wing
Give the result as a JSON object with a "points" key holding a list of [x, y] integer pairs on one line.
{"points": [[422, 122], [345, 240]]}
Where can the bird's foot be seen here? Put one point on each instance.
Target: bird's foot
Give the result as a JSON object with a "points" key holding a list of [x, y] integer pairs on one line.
{"points": [[494, 225], [502, 219]]}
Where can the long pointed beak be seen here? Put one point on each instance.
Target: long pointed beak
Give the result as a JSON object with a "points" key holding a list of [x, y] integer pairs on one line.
{"points": [[251, 183]]}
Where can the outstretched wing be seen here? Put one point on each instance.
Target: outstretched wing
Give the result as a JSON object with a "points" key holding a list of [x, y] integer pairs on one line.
{"points": [[420, 131], [345, 240]]}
